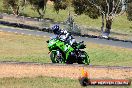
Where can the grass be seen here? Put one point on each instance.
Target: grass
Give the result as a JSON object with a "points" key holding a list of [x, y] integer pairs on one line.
{"points": [[46, 82], [109, 55], [15, 47], [23, 48], [120, 24]]}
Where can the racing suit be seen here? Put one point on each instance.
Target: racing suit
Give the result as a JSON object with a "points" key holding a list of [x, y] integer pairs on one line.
{"points": [[65, 36]]}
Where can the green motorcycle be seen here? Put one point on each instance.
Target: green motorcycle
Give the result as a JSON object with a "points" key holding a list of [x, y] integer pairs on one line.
{"points": [[61, 52]]}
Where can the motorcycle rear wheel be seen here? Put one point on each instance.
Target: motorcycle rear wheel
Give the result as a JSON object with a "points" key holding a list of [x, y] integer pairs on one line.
{"points": [[84, 60]]}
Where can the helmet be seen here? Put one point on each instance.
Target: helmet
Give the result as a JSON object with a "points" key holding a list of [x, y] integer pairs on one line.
{"points": [[55, 29]]}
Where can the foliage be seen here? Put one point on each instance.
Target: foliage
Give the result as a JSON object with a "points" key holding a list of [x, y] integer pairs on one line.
{"points": [[129, 11], [108, 9], [83, 6], [14, 5], [94, 8], [39, 5], [61, 4]]}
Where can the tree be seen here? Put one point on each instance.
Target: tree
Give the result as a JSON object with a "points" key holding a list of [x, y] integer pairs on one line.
{"points": [[39, 6], [129, 10], [14, 5], [107, 9], [61, 4]]}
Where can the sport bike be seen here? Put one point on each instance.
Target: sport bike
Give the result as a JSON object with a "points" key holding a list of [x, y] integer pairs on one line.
{"points": [[62, 52]]}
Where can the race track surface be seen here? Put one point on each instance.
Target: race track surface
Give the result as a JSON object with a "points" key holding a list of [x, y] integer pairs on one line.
{"points": [[86, 39]]}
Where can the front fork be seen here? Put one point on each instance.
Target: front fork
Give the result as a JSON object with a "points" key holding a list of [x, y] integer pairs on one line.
{"points": [[59, 56]]}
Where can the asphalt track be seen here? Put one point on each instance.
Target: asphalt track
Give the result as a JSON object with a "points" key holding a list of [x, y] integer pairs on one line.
{"points": [[86, 39]]}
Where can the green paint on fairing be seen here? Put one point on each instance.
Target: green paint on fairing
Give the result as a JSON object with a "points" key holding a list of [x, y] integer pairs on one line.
{"points": [[56, 43]]}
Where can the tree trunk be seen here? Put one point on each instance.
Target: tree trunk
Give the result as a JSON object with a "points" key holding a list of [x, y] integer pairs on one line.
{"points": [[108, 27], [40, 14], [102, 27], [17, 10]]}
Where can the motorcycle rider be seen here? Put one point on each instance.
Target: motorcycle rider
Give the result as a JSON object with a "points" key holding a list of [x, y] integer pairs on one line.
{"points": [[63, 35]]}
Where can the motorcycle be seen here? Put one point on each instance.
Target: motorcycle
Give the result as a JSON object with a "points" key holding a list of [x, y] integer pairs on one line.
{"points": [[62, 52]]}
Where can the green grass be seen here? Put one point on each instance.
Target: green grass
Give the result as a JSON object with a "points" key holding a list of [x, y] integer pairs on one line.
{"points": [[23, 48], [14, 47], [46, 82], [109, 55]]}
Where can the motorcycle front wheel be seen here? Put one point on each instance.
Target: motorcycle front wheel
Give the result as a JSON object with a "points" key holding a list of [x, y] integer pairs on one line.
{"points": [[54, 58]]}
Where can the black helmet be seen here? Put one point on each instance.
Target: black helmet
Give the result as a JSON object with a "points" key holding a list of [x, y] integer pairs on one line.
{"points": [[55, 28]]}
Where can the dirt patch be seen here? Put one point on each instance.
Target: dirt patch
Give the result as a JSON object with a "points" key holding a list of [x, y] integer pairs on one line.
{"points": [[34, 70]]}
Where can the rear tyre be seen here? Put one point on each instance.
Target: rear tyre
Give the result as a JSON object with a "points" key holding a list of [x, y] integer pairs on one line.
{"points": [[69, 61], [85, 59]]}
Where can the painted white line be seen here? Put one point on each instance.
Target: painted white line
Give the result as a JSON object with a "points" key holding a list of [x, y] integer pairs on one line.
{"points": [[21, 16], [11, 14], [35, 18], [4, 13], [28, 17], [44, 36], [28, 30], [29, 34], [8, 31], [41, 19], [1, 30], [39, 31], [22, 33], [16, 32]]}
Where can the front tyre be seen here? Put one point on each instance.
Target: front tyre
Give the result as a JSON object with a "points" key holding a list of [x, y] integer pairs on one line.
{"points": [[54, 58]]}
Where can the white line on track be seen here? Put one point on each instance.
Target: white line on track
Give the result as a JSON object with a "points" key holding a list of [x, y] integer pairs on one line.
{"points": [[29, 34], [8, 31], [28, 17], [39, 31], [22, 33], [35, 18]]}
